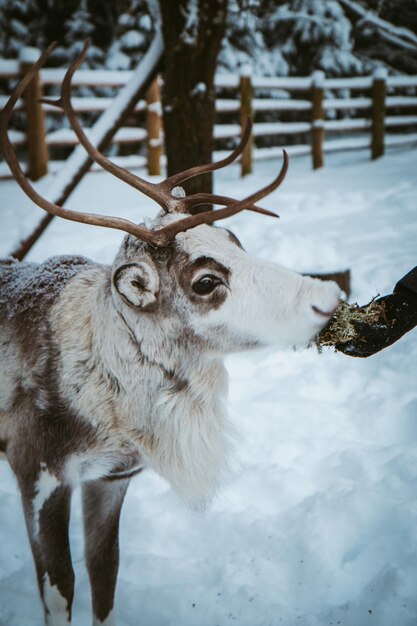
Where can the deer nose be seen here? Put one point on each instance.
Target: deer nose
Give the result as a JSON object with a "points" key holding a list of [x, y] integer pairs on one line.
{"points": [[325, 314]]}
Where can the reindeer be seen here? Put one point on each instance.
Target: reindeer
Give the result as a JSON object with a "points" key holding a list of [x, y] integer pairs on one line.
{"points": [[110, 369]]}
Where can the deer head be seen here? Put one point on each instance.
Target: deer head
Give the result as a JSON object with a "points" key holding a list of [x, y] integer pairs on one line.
{"points": [[184, 268]]}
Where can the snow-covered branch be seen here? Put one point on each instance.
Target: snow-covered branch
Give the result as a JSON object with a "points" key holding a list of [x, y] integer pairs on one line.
{"points": [[399, 32]]}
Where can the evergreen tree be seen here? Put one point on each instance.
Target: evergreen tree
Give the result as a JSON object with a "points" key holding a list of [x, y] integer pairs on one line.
{"points": [[132, 35], [311, 35], [244, 43], [54, 15], [78, 28], [16, 17]]}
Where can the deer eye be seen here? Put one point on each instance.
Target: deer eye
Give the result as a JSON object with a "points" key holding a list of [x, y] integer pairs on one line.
{"points": [[205, 285]]}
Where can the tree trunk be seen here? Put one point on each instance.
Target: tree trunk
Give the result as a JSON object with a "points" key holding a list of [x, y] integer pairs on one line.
{"points": [[193, 31]]}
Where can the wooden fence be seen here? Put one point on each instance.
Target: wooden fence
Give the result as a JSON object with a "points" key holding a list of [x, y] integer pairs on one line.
{"points": [[311, 114]]}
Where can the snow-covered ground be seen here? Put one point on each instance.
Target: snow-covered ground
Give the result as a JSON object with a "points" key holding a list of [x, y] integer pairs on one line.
{"points": [[316, 525]]}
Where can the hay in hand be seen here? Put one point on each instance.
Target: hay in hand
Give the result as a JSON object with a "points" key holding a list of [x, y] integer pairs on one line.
{"points": [[342, 327]]}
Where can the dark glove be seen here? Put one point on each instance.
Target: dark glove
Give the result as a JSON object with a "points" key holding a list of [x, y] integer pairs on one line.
{"points": [[401, 316]]}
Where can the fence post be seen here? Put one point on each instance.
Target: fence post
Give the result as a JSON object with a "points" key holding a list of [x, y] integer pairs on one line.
{"points": [[245, 112], [317, 118], [378, 112], [154, 128], [37, 148]]}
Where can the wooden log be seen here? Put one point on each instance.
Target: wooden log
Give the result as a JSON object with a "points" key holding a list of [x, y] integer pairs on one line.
{"points": [[37, 149], [154, 128], [245, 112], [378, 113], [317, 110]]}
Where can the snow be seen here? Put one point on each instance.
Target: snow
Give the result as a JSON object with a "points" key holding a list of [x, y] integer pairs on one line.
{"points": [[96, 78], [317, 124], [155, 107], [397, 41], [400, 120], [131, 161], [400, 140], [318, 79], [156, 143], [316, 524], [347, 103], [17, 137], [67, 137], [348, 124], [402, 81], [270, 104], [278, 128], [380, 73], [401, 101], [28, 54], [85, 104], [9, 68], [262, 129], [261, 154], [246, 70], [399, 31], [226, 80], [347, 143], [286, 82], [199, 89], [132, 39], [226, 105], [356, 82], [224, 131]]}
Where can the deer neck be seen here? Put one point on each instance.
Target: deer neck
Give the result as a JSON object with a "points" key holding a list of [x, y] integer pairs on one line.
{"points": [[185, 434], [156, 389]]}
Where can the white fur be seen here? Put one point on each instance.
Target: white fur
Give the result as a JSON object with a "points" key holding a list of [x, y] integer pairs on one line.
{"points": [[80, 468], [45, 486], [266, 303], [56, 604], [144, 272], [193, 435]]}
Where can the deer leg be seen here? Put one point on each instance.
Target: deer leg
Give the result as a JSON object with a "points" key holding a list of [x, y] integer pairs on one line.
{"points": [[47, 510], [102, 502]]}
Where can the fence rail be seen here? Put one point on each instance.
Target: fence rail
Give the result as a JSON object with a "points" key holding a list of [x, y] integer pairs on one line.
{"points": [[307, 111]]}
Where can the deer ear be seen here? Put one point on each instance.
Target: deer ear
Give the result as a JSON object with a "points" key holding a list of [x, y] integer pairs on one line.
{"points": [[137, 283]]}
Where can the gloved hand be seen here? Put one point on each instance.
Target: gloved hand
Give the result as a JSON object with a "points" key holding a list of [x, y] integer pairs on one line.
{"points": [[401, 317]]}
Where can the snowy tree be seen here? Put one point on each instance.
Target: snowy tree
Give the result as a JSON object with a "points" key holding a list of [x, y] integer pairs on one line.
{"points": [[16, 17], [400, 12], [378, 38], [78, 28], [244, 43], [132, 36], [311, 35]]}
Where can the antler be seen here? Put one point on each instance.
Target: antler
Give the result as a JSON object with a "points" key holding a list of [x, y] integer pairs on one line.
{"points": [[164, 193], [160, 192]]}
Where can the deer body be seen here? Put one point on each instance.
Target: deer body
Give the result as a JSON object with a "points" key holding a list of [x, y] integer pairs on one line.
{"points": [[110, 369]]}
